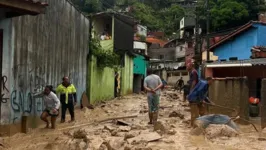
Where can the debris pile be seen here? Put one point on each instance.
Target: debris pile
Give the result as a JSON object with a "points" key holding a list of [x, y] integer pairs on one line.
{"points": [[177, 114]]}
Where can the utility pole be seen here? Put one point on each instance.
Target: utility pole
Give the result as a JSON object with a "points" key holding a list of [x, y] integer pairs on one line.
{"points": [[208, 30], [196, 32]]}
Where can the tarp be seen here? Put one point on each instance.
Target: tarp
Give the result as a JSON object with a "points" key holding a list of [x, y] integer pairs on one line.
{"points": [[216, 119]]}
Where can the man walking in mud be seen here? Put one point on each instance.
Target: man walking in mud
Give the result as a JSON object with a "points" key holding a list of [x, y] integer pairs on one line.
{"points": [[68, 98], [153, 85]]}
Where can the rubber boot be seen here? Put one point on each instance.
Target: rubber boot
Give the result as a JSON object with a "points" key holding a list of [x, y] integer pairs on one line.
{"points": [[155, 117], [150, 117], [53, 120]]}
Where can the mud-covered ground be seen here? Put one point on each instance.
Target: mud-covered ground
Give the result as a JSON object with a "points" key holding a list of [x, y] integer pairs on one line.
{"points": [[171, 133]]}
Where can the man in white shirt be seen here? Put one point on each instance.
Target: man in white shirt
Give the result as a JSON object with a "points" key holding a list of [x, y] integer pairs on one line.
{"points": [[153, 85]]}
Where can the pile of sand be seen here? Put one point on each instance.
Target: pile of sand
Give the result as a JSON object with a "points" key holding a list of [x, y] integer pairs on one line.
{"points": [[214, 131]]}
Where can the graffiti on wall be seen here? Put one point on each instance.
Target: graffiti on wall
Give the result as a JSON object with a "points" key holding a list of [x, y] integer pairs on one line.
{"points": [[27, 81]]}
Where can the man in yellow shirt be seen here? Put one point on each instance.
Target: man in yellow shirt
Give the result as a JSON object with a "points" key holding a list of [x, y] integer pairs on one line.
{"points": [[68, 98]]}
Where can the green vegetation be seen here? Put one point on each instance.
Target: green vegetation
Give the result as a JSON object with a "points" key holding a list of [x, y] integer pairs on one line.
{"points": [[164, 15], [105, 58]]}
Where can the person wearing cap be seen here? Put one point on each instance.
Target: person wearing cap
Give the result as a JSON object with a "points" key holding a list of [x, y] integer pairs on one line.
{"points": [[153, 85]]}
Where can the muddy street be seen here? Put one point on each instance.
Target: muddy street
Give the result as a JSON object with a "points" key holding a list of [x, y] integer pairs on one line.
{"points": [[93, 132]]}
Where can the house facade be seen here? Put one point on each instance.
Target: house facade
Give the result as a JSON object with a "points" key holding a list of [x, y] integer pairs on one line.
{"points": [[141, 59], [235, 56], [117, 28], [38, 51]]}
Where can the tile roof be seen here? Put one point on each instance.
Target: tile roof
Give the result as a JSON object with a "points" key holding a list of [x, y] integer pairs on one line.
{"points": [[154, 40], [236, 32]]}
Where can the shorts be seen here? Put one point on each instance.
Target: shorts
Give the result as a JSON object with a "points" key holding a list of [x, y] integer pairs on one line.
{"points": [[153, 102], [50, 114]]}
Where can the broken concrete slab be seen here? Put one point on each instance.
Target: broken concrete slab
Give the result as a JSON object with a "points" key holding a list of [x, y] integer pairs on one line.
{"points": [[148, 137]]}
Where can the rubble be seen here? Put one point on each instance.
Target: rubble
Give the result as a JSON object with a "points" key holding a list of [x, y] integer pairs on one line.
{"points": [[124, 128], [95, 143], [177, 114], [214, 131], [148, 137], [115, 143], [80, 134], [159, 126]]}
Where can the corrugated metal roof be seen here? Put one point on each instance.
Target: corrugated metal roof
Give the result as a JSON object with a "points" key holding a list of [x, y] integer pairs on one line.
{"points": [[238, 63]]}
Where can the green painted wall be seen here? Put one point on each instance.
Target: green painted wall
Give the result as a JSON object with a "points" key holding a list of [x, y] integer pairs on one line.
{"points": [[127, 76], [101, 80], [140, 65]]}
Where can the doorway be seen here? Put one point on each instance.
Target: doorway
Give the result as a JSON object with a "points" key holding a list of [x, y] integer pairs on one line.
{"points": [[1, 66]]}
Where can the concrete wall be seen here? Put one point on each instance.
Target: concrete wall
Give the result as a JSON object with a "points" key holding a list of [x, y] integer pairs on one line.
{"points": [[239, 46], [173, 77], [102, 81], [127, 76], [232, 93], [40, 50]]}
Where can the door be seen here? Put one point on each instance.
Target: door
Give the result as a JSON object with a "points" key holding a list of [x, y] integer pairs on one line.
{"points": [[1, 61]]}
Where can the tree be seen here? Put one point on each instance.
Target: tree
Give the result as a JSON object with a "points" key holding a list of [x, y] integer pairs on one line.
{"points": [[228, 13], [146, 15], [170, 18]]}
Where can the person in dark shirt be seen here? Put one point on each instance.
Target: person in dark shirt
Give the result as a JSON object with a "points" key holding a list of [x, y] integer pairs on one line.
{"points": [[198, 97], [185, 91], [180, 84]]}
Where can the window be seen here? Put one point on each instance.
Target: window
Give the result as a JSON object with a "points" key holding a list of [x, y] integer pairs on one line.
{"points": [[184, 74]]}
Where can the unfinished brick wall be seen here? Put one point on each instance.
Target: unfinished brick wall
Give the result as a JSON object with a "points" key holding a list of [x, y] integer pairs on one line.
{"points": [[232, 93]]}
